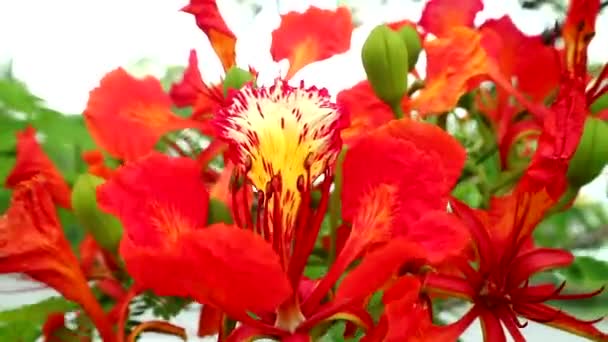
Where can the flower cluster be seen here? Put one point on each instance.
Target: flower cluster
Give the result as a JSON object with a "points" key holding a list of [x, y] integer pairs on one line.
{"points": [[278, 180]]}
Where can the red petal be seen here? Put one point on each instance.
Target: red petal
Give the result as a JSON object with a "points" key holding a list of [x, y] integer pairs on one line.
{"points": [[32, 161], [491, 327], [312, 36], [536, 261], [440, 16], [185, 92], [578, 30], [210, 321], [453, 61], [126, 116], [160, 201], [232, 280], [376, 269], [209, 19], [538, 74], [366, 111], [397, 163], [431, 138], [95, 161], [157, 198], [449, 285], [562, 321], [442, 235]]}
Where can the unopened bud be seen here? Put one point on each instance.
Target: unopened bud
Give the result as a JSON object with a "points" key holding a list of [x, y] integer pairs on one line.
{"points": [[385, 59], [591, 155], [411, 38], [105, 228]]}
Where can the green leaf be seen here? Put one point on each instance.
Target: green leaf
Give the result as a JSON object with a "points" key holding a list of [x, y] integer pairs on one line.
{"points": [[469, 193], [587, 272], [15, 96], [10, 125], [37, 312], [22, 331]]}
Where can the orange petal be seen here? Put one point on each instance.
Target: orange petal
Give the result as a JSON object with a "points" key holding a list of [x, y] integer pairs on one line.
{"points": [[366, 111], [232, 280], [209, 19], [578, 30], [32, 242], [453, 62], [160, 202], [314, 35], [126, 116], [440, 16], [32, 161]]}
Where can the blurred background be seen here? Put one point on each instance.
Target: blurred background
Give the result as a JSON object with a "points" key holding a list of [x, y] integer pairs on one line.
{"points": [[52, 53]]}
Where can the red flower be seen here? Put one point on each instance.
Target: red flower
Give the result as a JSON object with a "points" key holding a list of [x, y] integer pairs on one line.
{"points": [[32, 242], [314, 35], [440, 16], [126, 116], [395, 202], [162, 203], [209, 19], [32, 162]]}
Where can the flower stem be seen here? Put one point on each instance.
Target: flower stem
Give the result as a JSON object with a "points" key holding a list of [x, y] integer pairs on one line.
{"points": [[335, 207], [397, 111]]}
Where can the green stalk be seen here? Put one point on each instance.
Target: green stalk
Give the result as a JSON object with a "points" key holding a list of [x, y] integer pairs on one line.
{"points": [[335, 207]]}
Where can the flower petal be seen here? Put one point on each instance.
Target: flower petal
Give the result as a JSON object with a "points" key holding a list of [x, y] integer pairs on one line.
{"points": [[440, 16], [191, 91], [536, 261], [453, 61], [232, 280], [397, 163], [563, 321], [376, 269], [442, 235], [578, 30], [209, 19], [139, 107], [32, 161], [431, 138], [366, 110], [491, 327], [312, 36], [160, 202]]}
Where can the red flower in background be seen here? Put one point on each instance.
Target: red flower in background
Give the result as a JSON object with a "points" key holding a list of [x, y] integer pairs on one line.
{"points": [[127, 116], [440, 16], [32, 242], [191, 91], [31, 162], [312, 36], [210, 21]]}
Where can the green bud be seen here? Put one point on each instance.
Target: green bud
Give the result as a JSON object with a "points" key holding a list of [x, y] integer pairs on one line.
{"points": [[385, 60], [218, 212], [591, 154], [236, 78], [105, 228], [411, 38]]}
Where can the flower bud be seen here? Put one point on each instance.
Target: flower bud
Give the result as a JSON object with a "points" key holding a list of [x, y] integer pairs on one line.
{"points": [[411, 38], [600, 104], [385, 60], [218, 212], [591, 154], [105, 228], [236, 78]]}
